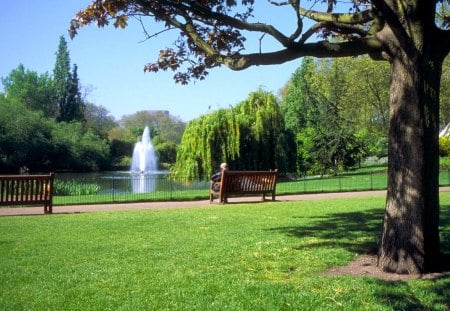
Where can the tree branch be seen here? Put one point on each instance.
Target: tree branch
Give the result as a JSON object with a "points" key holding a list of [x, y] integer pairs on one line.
{"points": [[234, 22], [343, 18], [319, 49], [147, 35]]}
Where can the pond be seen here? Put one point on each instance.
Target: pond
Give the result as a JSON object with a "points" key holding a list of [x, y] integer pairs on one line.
{"points": [[121, 181]]}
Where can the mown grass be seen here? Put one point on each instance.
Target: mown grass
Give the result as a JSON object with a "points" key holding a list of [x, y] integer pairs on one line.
{"points": [[254, 256]]}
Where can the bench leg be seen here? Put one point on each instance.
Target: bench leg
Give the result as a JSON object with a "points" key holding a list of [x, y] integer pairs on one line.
{"points": [[48, 208], [223, 199]]}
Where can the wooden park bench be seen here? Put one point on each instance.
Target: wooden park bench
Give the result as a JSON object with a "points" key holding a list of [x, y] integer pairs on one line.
{"points": [[241, 183], [27, 190]]}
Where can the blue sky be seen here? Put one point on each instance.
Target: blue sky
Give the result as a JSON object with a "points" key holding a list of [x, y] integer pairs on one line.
{"points": [[110, 62]]}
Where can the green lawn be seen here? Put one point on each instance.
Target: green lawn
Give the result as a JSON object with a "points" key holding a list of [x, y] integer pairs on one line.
{"points": [[256, 256]]}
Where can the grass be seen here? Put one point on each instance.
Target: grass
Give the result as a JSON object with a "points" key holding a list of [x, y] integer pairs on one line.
{"points": [[260, 256]]}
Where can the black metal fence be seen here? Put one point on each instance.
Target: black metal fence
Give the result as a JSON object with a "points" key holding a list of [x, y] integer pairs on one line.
{"points": [[115, 188]]}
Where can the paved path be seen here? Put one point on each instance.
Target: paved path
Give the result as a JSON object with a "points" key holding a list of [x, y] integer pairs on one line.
{"points": [[39, 210]]}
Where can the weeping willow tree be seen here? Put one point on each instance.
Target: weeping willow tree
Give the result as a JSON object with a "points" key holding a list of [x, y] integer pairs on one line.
{"points": [[250, 136], [207, 141]]}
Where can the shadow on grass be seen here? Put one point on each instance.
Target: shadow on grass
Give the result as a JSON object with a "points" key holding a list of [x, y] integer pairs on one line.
{"points": [[347, 230], [402, 295], [355, 231]]}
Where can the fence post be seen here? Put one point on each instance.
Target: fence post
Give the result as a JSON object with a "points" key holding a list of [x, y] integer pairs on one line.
{"points": [[371, 180], [113, 181], [170, 188], [304, 183]]}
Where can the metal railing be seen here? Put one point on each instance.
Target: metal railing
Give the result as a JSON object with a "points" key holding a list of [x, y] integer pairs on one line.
{"points": [[163, 187]]}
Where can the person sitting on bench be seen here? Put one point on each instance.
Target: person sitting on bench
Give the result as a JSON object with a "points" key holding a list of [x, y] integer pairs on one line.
{"points": [[217, 176]]}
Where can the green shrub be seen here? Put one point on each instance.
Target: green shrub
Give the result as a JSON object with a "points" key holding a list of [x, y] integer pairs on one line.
{"points": [[444, 146], [444, 162], [74, 188]]}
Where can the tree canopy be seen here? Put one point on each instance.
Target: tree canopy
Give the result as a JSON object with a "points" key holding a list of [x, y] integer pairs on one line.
{"points": [[39, 121], [404, 32], [337, 120], [213, 33], [33, 89], [66, 88], [249, 136]]}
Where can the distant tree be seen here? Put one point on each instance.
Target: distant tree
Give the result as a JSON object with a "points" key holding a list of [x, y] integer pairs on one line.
{"points": [[75, 108], [320, 109], [99, 119], [366, 100], [334, 145], [167, 154], [67, 93], [168, 127], [207, 141], [249, 136], [33, 90], [79, 149], [300, 111], [121, 142], [264, 142], [25, 138], [62, 78], [296, 104]]}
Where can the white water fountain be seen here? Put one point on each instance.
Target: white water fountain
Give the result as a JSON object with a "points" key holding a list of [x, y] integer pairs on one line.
{"points": [[143, 164]]}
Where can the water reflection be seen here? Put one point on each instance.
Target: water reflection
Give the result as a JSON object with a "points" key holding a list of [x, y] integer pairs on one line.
{"points": [[120, 182], [143, 183]]}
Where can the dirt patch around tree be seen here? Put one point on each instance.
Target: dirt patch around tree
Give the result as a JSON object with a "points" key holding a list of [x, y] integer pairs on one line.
{"points": [[366, 265]]}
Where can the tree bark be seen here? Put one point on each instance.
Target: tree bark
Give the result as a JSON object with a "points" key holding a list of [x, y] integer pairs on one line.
{"points": [[410, 235]]}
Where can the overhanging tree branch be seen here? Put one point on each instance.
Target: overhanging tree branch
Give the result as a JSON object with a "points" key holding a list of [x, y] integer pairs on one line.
{"points": [[318, 49], [343, 18]]}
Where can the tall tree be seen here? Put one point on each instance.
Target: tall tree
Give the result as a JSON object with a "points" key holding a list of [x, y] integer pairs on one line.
{"points": [[404, 32], [61, 76], [67, 93], [296, 103], [249, 136], [99, 119], [74, 110], [263, 142]]}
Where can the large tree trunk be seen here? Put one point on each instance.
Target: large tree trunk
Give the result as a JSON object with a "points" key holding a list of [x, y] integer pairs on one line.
{"points": [[410, 236]]}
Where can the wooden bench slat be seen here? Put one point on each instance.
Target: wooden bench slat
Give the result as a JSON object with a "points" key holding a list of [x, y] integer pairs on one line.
{"points": [[27, 190]]}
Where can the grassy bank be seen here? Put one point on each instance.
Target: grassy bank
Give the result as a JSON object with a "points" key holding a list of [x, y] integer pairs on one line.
{"points": [[259, 256]]}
